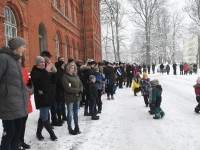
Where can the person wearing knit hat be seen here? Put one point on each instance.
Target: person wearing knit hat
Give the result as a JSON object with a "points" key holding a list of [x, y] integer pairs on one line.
{"points": [[38, 60], [16, 42], [197, 93], [145, 88], [13, 99]]}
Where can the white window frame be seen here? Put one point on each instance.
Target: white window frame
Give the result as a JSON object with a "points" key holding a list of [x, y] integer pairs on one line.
{"points": [[10, 24], [57, 46]]}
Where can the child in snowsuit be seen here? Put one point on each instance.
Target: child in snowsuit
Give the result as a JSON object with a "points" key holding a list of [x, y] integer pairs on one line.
{"points": [[145, 87], [151, 106], [197, 92], [156, 99], [136, 84]]}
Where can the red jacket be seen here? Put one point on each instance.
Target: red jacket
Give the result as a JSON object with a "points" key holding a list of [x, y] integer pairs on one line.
{"points": [[185, 67], [197, 89], [26, 78]]}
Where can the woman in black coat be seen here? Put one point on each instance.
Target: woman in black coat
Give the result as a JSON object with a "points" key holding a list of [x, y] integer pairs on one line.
{"points": [[44, 93]]}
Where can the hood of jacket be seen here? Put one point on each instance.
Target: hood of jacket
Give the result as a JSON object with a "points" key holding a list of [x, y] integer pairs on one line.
{"points": [[8, 51]]}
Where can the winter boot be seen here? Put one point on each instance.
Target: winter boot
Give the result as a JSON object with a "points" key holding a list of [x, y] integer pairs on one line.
{"points": [[64, 117], [112, 97], [59, 116], [48, 127], [56, 123], [94, 116], [86, 113], [108, 98], [162, 114], [77, 130], [72, 132], [39, 130], [196, 109], [156, 117], [24, 145], [135, 93]]}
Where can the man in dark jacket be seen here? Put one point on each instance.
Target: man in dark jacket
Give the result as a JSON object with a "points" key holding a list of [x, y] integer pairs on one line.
{"points": [[13, 93], [130, 71]]}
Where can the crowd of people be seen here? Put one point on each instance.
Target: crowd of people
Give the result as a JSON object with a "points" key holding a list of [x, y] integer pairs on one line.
{"points": [[60, 89]]}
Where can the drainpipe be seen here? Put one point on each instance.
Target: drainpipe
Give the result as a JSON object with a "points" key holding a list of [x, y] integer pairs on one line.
{"points": [[84, 34]]}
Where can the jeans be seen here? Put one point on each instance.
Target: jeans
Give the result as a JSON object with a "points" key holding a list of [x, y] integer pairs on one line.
{"points": [[44, 113], [72, 110], [11, 134]]}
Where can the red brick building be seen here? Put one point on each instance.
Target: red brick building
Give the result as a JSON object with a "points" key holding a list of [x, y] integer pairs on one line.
{"points": [[68, 28]]}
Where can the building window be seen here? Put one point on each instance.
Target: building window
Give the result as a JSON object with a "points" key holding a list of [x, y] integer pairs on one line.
{"points": [[42, 37], [10, 25], [57, 46]]}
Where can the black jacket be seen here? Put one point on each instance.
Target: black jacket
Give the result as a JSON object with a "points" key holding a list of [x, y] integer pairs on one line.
{"points": [[92, 92], [59, 86], [45, 82], [109, 74]]}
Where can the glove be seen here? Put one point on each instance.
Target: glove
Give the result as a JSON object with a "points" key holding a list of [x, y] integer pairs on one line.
{"points": [[40, 92]]}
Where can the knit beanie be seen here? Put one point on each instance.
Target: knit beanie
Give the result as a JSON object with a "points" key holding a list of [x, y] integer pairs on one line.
{"points": [[16, 42], [38, 59], [154, 82], [198, 80], [145, 75], [91, 77]]}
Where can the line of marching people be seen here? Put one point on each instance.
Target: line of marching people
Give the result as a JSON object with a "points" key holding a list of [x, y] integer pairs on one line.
{"points": [[151, 92]]}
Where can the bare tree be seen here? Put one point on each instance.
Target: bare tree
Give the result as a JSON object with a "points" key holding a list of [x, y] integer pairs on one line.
{"points": [[144, 11], [113, 12]]}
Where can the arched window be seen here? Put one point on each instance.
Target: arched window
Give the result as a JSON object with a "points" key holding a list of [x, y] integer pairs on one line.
{"points": [[42, 37], [10, 25], [57, 46]]}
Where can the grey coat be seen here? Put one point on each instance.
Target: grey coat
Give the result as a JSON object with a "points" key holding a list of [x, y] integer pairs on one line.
{"points": [[13, 91]]}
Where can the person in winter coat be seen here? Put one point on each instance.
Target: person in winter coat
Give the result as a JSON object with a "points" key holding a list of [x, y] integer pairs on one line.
{"points": [[110, 79], [181, 69], [161, 68], [28, 83], [100, 85], [130, 75], [13, 93], [185, 68], [136, 84], [92, 93], [148, 68], [168, 69], [197, 92], [121, 75], [156, 99], [43, 79], [60, 101], [174, 67], [48, 63], [190, 69], [195, 68], [73, 88], [87, 70], [145, 87], [153, 68]]}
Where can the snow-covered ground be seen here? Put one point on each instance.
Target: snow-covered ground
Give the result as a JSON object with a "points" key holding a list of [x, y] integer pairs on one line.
{"points": [[125, 123]]}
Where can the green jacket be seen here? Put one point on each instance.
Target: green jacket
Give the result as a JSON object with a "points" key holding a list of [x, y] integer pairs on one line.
{"points": [[72, 85]]}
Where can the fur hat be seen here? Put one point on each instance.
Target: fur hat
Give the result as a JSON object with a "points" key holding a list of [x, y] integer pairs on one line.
{"points": [[154, 82], [92, 62], [16, 42], [198, 80], [145, 75], [107, 63], [91, 77], [46, 53], [38, 59]]}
